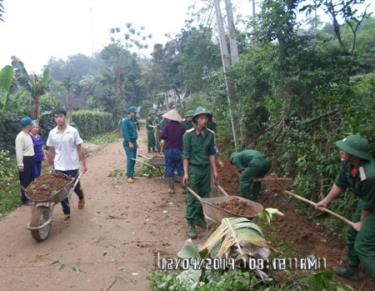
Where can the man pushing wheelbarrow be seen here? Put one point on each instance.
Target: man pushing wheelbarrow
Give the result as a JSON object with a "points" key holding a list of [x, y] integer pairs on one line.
{"points": [[65, 153]]}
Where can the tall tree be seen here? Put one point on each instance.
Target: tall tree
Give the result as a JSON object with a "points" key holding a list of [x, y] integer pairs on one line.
{"points": [[1, 10]]}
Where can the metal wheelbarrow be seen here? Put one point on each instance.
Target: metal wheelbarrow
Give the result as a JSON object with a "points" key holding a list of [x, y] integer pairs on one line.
{"points": [[214, 213], [42, 209]]}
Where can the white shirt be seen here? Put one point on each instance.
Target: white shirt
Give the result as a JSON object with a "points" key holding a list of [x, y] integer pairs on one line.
{"points": [[65, 144], [24, 147]]}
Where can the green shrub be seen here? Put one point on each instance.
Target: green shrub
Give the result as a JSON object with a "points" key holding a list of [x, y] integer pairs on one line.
{"points": [[90, 123], [9, 128], [9, 185]]}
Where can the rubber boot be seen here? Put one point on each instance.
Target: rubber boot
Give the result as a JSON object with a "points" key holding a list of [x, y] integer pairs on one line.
{"points": [[349, 273], [191, 231], [171, 185]]}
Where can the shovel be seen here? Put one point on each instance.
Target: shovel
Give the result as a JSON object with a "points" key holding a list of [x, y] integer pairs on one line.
{"points": [[284, 183]]}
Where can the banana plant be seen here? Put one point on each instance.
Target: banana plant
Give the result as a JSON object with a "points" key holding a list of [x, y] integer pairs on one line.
{"points": [[33, 84], [235, 237], [8, 100]]}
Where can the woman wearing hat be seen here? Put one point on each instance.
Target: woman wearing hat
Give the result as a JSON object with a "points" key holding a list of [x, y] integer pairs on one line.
{"points": [[358, 174], [172, 134], [38, 148], [25, 156]]}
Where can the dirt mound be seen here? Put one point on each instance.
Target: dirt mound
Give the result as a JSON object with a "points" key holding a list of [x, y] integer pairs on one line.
{"points": [[45, 186], [228, 178], [238, 207], [276, 184]]}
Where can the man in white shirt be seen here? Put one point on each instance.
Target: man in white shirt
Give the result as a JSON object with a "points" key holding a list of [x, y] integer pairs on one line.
{"points": [[25, 156], [65, 152]]}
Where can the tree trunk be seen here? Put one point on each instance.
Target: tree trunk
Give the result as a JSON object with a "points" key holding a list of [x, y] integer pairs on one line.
{"points": [[232, 33], [35, 111]]}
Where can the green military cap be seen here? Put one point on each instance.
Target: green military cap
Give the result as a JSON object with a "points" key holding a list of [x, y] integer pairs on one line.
{"points": [[355, 145], [189, 113], [201, 110], [132, 109]]}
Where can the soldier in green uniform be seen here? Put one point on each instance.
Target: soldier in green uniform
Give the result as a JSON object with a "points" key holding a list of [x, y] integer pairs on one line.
{"points": [[188, 122], [130, 135], [151, 128], [160, 123], [199, 160], [251, 164], [358, 174]]}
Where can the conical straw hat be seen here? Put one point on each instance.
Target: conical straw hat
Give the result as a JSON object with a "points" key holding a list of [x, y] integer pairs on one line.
{"points": [[173, 115]]}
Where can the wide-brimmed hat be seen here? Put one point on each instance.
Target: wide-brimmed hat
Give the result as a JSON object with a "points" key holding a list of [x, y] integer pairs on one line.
{"points": [[172, 115], [355, 145], [200, 111]]}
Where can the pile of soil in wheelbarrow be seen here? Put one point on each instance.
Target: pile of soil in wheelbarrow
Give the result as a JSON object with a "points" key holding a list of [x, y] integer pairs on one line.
{"points": [[157, 161], [239, 207], [47, 185]]}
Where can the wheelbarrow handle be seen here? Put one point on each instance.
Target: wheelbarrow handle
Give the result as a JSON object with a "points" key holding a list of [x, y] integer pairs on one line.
{"points": [[194, 194], [145, 163], [77, 179], [324, 209]]}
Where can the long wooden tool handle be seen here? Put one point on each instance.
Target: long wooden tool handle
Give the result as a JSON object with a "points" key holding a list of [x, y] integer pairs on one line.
{"points": [[222, 190], [194, 194], [142, 162], [144, 156], [324, 209]]}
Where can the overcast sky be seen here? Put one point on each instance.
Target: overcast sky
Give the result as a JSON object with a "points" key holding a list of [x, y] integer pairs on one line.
{"points": [[36, 30]]}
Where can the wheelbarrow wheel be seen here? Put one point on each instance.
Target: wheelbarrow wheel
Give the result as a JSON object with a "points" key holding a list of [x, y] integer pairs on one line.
{"points": [[39, 216]]}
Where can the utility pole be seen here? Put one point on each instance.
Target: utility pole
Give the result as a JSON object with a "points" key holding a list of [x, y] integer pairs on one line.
{"points": [[232, 33], [253, 2], [226, 63]]}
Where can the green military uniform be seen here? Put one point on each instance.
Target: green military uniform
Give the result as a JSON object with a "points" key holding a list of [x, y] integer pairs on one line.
{"points": [[151, 141], [130, 135], [361, 180], [186, 123], [197, 149], [252, 164], [163, 123]]}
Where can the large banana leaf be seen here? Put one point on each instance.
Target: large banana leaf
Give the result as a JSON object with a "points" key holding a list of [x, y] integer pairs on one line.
{"points": [[238, 235], [6, 80]]}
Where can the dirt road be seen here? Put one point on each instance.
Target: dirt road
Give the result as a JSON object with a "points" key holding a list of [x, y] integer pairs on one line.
{"points": [[109, 245]]}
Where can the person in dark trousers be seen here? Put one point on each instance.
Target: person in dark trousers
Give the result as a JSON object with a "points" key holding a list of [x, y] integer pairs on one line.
{"points": [[38, 148], [251, 164], [25, 156], [130, 135], [65, 153], [172, 134]]}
